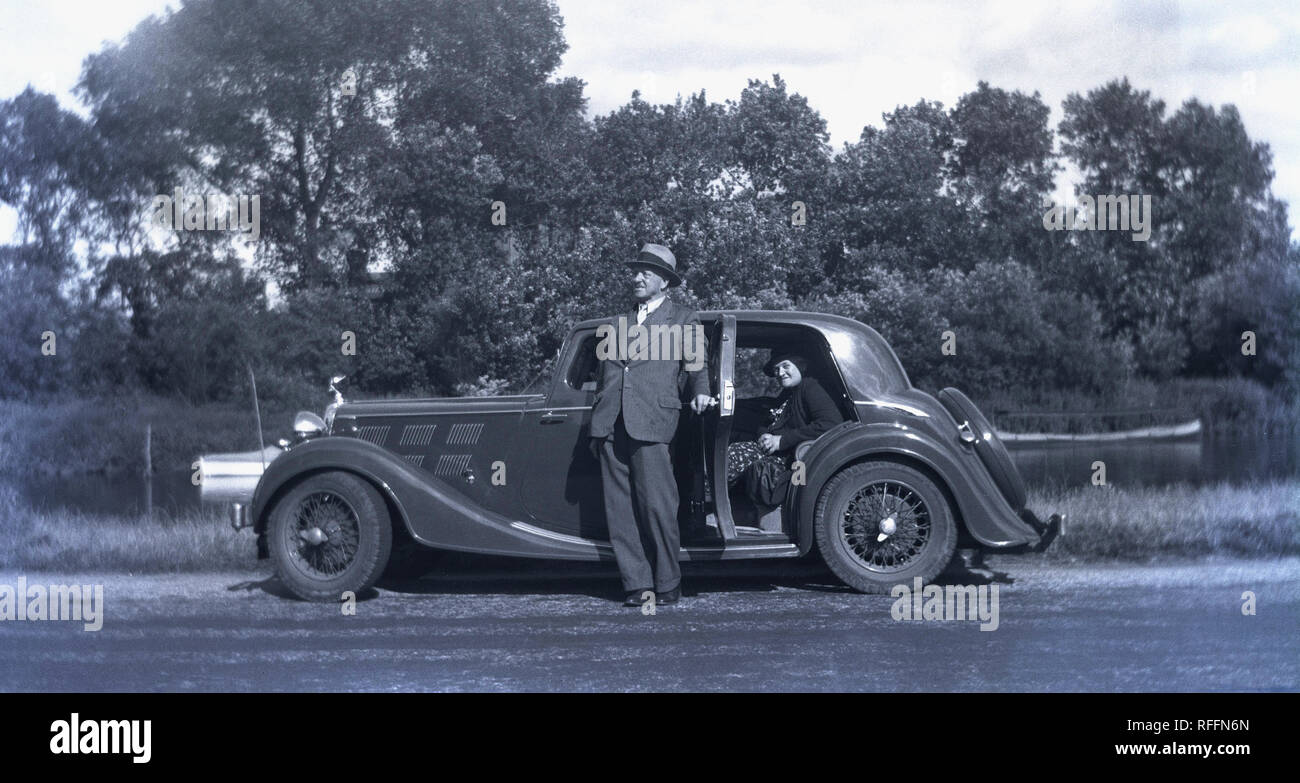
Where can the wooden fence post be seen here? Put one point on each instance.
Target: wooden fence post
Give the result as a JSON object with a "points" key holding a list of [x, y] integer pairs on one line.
{"points": [[148, 470]]}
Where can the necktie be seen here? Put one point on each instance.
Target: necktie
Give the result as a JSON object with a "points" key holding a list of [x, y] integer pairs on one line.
{"points": [[642, 310]]}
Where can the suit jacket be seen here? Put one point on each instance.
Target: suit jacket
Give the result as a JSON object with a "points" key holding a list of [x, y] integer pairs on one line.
{"points": [[810, 413], [646, 391]]}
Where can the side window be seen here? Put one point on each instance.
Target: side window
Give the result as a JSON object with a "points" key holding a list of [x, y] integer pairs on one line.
{"points": [[749, 378], [584, 370]]}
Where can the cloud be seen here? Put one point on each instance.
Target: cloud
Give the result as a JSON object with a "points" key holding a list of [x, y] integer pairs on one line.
{"points": [[852, 60], [855, 61]]}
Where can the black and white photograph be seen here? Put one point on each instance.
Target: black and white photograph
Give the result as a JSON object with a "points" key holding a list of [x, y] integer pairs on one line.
{"points": [[569, 346]]}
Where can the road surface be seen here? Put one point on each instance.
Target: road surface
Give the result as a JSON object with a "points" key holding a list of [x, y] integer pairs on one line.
{"points": [[498, 625]]}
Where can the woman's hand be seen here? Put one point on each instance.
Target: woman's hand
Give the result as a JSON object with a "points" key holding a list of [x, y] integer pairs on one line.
{"points": [[770, 444]]}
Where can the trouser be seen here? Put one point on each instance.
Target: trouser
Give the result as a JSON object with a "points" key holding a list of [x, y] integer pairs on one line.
{"points": [[641, 510]]}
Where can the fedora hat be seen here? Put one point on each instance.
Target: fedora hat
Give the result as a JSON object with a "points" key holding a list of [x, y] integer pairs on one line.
{"points": [[660, 259]]}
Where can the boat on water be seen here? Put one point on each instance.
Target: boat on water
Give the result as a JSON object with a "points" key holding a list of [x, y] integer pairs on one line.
{"points": [[1186, 430]]}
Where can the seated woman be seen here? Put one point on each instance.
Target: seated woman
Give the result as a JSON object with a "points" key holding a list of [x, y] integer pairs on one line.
{"points": [[802, 412]]}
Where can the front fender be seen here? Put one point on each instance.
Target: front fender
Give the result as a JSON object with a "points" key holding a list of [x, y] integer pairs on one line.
{"points": [[980, 505], [327, 453], [432, 511]]}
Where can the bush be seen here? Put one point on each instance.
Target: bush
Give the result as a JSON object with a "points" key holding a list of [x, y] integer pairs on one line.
{"points": [[30, 307], [1262, 297], [1160, 350], [1013, 334]]}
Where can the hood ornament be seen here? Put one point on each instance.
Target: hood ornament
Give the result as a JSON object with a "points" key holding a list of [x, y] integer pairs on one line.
{"points": [[335, 383]]}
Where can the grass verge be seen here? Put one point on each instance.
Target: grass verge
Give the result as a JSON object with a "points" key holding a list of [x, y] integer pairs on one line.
{"points": [[1103, 523], [1144, 523], [201, 540]]}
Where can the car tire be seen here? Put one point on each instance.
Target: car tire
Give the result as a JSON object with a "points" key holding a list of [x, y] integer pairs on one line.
{"points": [[330, 535], [850, 516]]}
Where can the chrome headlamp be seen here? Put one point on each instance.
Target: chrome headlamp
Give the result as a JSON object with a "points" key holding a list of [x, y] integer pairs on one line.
{"points": [[307, 425]]}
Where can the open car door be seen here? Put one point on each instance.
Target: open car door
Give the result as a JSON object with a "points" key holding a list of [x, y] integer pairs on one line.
{"points": [[718, 428]]}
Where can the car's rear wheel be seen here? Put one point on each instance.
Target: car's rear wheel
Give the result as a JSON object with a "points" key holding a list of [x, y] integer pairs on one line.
{"points": [[329, 535], [879, 524]]}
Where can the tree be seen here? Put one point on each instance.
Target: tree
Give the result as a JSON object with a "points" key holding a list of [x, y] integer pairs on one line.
{"points": [[247, 98], [1001, 168], [47, 155], [779, 140], [889, 202], [1211, 214]]}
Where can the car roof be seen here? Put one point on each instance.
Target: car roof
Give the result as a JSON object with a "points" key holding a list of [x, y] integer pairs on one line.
{"points": [[870, 367]]}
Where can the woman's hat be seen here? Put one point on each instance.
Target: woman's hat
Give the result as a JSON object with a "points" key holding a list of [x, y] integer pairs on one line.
{"points": [[796, 359], [662, 260]]}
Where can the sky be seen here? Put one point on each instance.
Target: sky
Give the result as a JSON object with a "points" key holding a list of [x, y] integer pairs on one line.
{"points": [[852, 60]]}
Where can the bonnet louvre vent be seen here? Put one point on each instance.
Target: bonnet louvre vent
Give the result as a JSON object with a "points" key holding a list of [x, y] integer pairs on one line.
{"points": [[418, 434], [374, 434], [464, 434]]}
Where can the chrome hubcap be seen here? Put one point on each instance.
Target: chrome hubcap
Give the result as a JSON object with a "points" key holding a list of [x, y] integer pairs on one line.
{"points": [[324, 535], [886, 526]]}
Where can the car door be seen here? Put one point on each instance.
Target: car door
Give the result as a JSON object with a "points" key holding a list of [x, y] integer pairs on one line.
{"points": [[717, 425], [561, 487]]}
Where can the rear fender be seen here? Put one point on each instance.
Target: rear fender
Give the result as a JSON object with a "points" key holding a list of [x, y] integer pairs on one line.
{"points": [[980, 505]]}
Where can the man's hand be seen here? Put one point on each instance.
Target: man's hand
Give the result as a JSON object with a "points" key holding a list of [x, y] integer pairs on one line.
{"points": [[594, 445], [770, 444], [702, 403]]}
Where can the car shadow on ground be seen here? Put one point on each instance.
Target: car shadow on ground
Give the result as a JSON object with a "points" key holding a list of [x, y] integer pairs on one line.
{"points": [[271, 585], [457, 573], [454, 573]]}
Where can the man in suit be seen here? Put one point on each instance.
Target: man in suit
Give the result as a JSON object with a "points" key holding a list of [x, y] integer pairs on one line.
{"points": [[637, 406]]}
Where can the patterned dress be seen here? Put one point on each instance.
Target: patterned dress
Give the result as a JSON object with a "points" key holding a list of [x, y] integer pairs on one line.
{"points": [[745, 453]]}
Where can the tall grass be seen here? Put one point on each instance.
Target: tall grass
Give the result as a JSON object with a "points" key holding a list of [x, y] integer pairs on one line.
{"points": [[32, 540], [1112, 523]]}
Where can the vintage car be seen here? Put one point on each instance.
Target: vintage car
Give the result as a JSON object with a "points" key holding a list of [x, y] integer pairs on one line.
{"points": [[882, 498]]}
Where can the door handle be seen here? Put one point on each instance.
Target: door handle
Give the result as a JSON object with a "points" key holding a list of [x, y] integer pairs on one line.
{"points": [[553, 418], [727, 404]]}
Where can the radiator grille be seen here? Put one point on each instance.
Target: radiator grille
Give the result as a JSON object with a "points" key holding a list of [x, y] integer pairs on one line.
{"points": [[414, 459]]}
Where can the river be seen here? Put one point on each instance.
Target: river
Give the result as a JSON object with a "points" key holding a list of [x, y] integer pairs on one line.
{"points": [[1235, 459]]}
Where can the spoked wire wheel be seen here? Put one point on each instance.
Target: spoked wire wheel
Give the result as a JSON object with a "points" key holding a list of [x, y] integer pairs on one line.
{"points": [[883, 523], [886, 526], [324, 535], [329, 534]]}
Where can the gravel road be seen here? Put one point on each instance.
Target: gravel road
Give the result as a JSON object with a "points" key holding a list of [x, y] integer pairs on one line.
{"points": [[495, 625]]}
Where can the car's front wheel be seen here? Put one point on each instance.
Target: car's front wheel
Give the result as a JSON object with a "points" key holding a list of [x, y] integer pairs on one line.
{"points": [[879, 524], [329, 535]]}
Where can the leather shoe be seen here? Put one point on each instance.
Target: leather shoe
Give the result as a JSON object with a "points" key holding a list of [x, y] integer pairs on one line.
{"points": [[669, 596], [639, 597]]}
